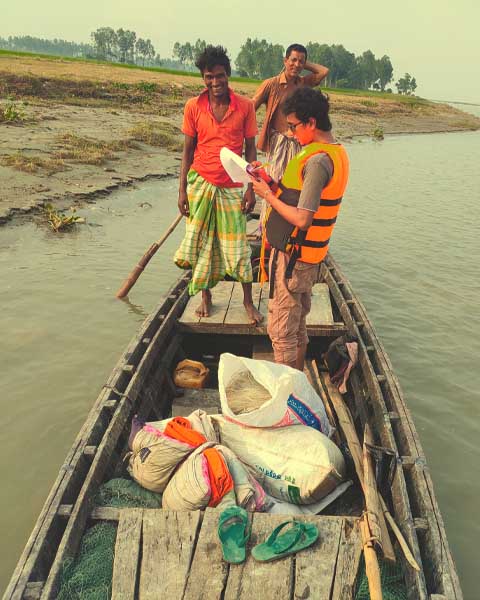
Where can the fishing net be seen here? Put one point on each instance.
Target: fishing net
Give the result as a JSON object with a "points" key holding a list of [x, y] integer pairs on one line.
{"points": [[126, 493], [89, 575], [393, 585], [245, 394]]}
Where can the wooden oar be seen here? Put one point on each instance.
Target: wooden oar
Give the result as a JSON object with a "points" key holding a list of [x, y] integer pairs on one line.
{"points": [[143, 262]]}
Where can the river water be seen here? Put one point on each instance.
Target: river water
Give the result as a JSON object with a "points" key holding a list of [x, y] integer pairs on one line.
{"points": [[408, 239]]}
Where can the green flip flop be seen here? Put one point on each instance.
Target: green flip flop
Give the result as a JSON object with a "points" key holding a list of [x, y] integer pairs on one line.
{"points": [[299, 536], [233, 532]]}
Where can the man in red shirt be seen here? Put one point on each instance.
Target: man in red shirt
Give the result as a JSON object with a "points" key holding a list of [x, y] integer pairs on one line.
{"points": [[215, 242]]}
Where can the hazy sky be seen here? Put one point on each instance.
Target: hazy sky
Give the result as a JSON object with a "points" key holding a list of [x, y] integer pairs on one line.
{"points": [[436, 41]]}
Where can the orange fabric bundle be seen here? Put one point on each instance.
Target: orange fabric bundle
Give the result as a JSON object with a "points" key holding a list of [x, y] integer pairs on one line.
{"points": [[180, 429], [221, 482]]}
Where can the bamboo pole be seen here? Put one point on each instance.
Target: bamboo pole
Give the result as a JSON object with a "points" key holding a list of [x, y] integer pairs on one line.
{"points": [[370, 490], [143, 262], [346, 424], [371, 562], [328, 406], [345, 421]]}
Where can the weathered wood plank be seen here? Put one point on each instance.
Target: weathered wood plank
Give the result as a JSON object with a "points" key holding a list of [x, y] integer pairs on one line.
{"points": [[208, 572], [236, 314], [263, 298], [349, 553], [262, 349], [230, 329], [321, 311], [168, 545], [254, 579], [33, 590], [206, 399], [315, 566], [221, 295], [189, 315], [127, 554]]}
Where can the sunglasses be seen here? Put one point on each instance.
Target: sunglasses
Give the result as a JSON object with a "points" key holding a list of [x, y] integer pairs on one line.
{"points": [[293, 126]]}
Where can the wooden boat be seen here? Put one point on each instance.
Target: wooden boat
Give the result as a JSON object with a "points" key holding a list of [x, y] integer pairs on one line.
{"points": [[141, 384]]}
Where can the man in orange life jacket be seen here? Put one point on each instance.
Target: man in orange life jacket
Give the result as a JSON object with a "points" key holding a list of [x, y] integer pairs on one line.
{"points": [[300, 222]]}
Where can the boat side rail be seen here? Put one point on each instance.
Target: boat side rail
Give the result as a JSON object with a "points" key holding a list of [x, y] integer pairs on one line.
{"points": [[340, 290], [394, 420]]}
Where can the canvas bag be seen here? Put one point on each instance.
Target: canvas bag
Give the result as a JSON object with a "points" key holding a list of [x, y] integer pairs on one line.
{"points": [[295, 464], [293, 399], [155, 456]]}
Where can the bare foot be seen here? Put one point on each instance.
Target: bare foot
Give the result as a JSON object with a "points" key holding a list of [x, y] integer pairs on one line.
{"points": [[253, 314], [205, 307]]}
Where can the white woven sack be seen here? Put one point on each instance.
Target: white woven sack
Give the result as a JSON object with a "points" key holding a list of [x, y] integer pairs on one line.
{"points": [[189, 488], [155, 456], [295, 464], [293, 399]]}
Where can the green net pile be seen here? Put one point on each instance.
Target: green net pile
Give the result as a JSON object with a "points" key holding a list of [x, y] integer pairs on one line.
{"points": [[89, 575], [393, 585]]}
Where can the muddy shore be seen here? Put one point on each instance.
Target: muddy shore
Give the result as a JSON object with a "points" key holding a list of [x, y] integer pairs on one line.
{"points": [[77, 131]]}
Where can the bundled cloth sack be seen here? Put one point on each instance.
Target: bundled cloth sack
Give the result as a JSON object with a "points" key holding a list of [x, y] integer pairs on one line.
{"points": [[181, 458], [207, 476], [202, 480], [273, 395], [295, 464], [158, 447]]}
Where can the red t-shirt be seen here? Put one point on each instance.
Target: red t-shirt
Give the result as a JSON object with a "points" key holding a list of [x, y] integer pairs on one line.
{"points": [[238, 123]]}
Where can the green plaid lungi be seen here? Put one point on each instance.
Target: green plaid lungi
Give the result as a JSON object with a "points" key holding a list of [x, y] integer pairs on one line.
{"points": [[215, 242]]}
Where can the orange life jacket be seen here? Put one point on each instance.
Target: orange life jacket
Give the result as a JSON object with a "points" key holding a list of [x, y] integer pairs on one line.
{"points": [[311, 246]]}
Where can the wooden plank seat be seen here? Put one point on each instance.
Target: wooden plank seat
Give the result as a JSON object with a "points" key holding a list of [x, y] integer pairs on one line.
{"points": [[179, 553], [228, 312]]}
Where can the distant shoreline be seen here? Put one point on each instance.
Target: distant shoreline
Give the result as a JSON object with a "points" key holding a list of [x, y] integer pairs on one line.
{"points": [[457, 102]]}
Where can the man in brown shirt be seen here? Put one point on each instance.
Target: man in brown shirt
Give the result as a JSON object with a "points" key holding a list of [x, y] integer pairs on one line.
{"points": [[273, 137]]}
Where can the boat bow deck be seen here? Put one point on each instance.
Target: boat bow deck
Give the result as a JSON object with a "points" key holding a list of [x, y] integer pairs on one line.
{"points": [[179, 554], [229, 317]]}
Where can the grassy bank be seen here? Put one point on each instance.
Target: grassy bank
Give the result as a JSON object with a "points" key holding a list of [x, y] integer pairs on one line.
{"points": [[73, 128]]}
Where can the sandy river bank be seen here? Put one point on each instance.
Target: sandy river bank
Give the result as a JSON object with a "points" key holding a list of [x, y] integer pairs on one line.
{"points": [[81, 130]]}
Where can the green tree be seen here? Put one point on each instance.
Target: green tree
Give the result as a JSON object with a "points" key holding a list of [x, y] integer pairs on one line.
{"points": [[322, 54], [105, 43], [145, 49], [259, 59], [406, 84], [126, 45], [183, 53], [413, 85], [198, 48], [368, 68], [27, 43], [384, 71]]}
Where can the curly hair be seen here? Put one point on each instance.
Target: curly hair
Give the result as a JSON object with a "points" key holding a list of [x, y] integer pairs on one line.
{"points": [[306, 103], [211, 57]]}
